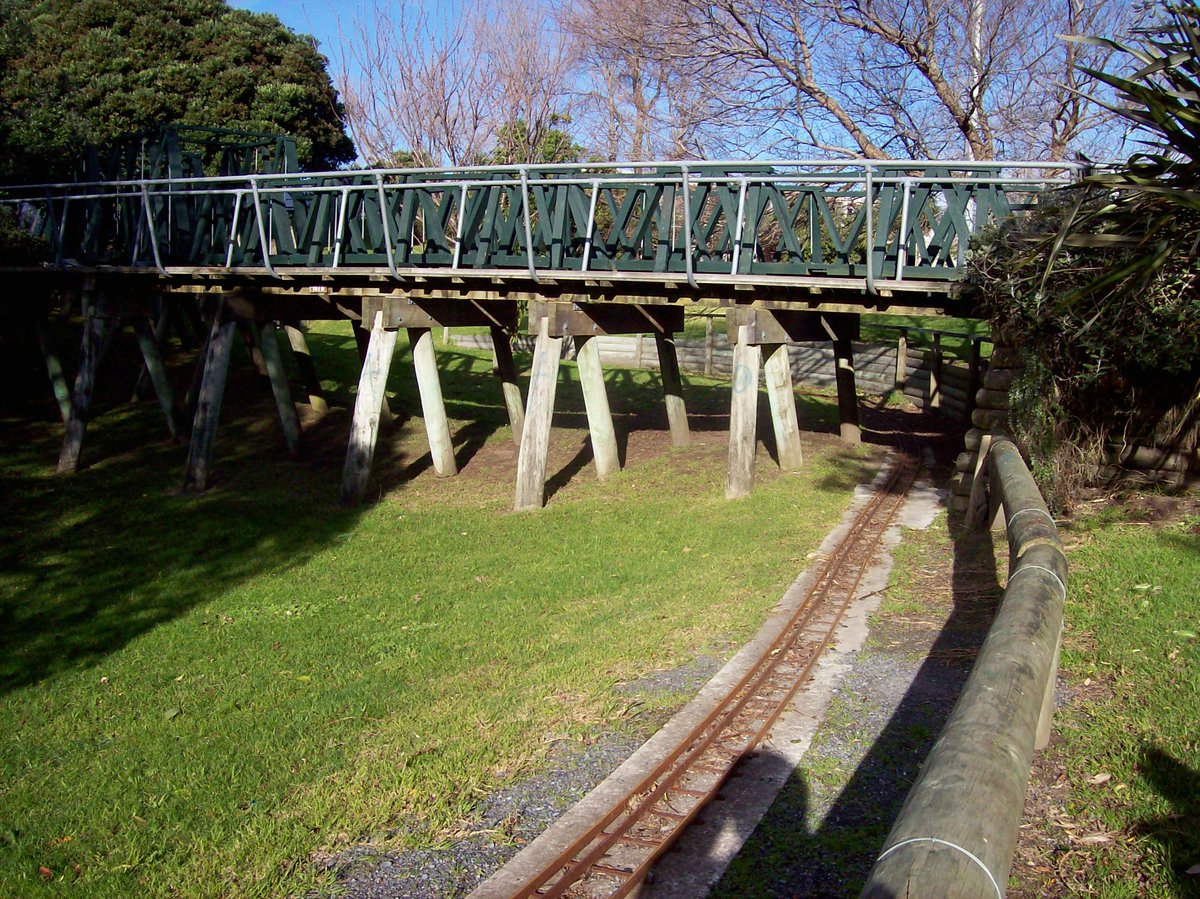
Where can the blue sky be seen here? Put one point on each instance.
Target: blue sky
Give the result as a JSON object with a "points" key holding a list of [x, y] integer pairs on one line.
{"points": [[316, 17]]}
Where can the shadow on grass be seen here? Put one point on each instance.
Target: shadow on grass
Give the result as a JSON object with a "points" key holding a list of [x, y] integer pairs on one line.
{"points": [[1179, 832], [818, 842], [91, 561]]}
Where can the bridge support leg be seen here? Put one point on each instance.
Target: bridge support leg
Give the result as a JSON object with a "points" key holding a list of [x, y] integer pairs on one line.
{"points": [[506, 370], [847, 394], [368, 412], [148, 343], [308, 371], [208, 402], [273, 359], [58, 381], [98, 328], [161, 324], [668, 368], [535, 436], [595, 400], [437, 426], [362, 337], [743, 416], [778, 371]]}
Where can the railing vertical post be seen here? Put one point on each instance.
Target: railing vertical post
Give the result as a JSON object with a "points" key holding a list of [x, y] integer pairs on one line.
{"points": [[262, 228], [869, 200], [533, 275], [902, 247], [591, 225], [386, 217], [739, 228], [687, 230]]}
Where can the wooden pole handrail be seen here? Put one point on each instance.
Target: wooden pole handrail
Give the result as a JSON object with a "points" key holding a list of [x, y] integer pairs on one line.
{"points": [[957, 831]]}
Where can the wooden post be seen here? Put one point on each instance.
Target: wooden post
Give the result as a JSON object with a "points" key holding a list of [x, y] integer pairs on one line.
{"points": [[935, 374], [368, 411], [843, 353], [250, 339], [672, 383], [97, 331], [149, 344], [58, 381], [437, 426], [506, 370], [362, 338], [973, 376], [778, 371], [269, 342], [161, 324], [743, 417], [539, 411], [902, 360], [595, 400], [308, 371], [1046, 716], [709, 343], [208, 402]]}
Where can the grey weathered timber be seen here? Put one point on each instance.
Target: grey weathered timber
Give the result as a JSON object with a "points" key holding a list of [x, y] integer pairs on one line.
{"points": [[506, 371], [149, 344], [368, 411], [58, 381], [958, 828], [269, 342], [672, 383], [98, 328], [935, 373], [308, 371], [162, 322], [253, 350], [743, 416], [847, 392], [437, 426], [208, 402], [539, 412], [362, 339], [974, 373], [902, 359], [777, 370], [595, 400]]}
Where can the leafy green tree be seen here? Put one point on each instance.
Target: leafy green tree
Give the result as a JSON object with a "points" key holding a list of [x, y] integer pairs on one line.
{"points": [[86, 71], [1101, 285]]}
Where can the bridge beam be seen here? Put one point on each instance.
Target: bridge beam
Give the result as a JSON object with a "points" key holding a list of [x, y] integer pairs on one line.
{"points": [[672, 383], [506, 370], [595, 400], [778, 371], [743, 416], [268, 342], [149, 343], [369, 408], [433, 407], [308, 371], [535, 438], [101, 320], [208, 400]]}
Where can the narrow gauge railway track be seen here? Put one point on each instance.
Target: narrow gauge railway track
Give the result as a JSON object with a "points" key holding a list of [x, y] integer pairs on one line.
{"points": [[611, 858]]}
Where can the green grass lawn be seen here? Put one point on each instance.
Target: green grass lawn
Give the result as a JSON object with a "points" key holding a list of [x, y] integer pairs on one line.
{"points": [[1130, 737], [199, 693]]}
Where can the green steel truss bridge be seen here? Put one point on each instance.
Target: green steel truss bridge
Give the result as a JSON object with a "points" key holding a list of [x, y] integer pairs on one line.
{"points": [[670, 228], [793, 250]]}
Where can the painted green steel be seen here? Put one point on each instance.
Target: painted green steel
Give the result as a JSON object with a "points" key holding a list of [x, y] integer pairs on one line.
{"points": [[879, 222]]}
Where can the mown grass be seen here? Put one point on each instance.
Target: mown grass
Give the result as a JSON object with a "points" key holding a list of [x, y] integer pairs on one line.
{"points": [[198, 694], [1130, 743]]}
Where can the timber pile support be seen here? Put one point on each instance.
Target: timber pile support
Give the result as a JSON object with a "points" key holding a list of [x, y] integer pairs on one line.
{"points": [[760, 338], [583, 322]]}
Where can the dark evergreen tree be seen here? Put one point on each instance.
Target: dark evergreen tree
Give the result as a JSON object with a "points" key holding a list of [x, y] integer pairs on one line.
{"points": [[74, 72]]}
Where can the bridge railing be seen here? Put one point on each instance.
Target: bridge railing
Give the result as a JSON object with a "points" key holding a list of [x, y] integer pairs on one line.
{"points": [[713, 222]]}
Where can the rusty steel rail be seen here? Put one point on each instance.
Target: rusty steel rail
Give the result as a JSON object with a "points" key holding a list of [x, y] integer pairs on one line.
{"points": [[957, 831], [612, 856]]}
